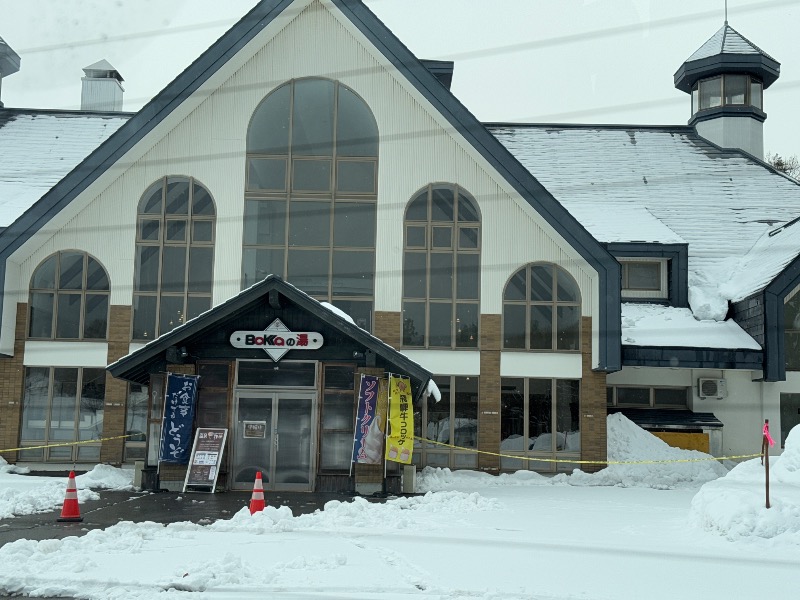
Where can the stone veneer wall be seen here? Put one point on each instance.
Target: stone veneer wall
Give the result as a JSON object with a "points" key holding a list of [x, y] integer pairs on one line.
{"points": [[114, 408], [12, 378], [594, 435]]}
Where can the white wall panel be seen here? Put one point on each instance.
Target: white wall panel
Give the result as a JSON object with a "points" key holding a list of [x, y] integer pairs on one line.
{"points": [[541, 364], [66, 354], [447, 362], [205, 139]]}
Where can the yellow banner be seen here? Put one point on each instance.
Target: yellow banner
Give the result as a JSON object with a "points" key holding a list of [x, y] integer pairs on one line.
{"points": [[400, 441]]}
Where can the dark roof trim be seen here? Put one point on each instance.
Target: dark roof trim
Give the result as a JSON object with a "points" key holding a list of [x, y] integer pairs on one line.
{"points": [[682, 129], [691, 358], [125, 367], [654, 418], [678, 273], [764, 67], [504, 162], [58, 112], [775, 295], [729, 110]]}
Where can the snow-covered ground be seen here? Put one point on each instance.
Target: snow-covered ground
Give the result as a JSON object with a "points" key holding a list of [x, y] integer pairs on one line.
{"points": [[657, 531]]}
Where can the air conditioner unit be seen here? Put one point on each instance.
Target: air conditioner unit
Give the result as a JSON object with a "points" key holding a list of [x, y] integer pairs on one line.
{"points": [[712, 388]]}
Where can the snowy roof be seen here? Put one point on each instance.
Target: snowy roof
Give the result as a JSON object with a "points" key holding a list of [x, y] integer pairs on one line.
{"points": [[40, 147], [727, 41], [721, 202], [630, 224], [667, 326]]}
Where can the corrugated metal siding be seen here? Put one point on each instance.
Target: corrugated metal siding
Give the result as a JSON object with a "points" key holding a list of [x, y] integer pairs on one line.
{"points": [[416, 149]]}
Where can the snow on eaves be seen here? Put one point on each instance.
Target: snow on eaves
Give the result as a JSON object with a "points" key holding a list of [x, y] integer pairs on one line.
{"points": [[667, 326], [38, 148]]}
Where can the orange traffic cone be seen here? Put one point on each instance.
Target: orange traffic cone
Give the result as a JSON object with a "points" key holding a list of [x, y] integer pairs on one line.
{"points": [[70, 511], [257, 500]]}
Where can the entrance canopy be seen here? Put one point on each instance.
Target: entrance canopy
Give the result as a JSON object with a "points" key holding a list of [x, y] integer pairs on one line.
{"points": [[269, 320]]}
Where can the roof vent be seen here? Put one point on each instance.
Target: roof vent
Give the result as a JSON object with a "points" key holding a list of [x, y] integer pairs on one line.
{"points": [[101, 88]]}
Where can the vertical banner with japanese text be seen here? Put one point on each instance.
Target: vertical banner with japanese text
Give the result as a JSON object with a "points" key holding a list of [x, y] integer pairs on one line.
{"points": [[176, 430], [370, 429], [400, 441]]}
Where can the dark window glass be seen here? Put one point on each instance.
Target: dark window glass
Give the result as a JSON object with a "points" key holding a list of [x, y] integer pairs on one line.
{"points": [[176, 230], [173, 271], [71, 271], [265, 222], [286, 373], [541, 334], [95, 320], [269, 128], [213, 375], [202, 231], [96, 278], [568, 327], [312, 124], [354, 225], [144, 317], [355, 176], [44, 277], [633, 396], [642, 276], [466, 210], [467, 325], [735, 89], [199, 273], [542, 283], [171, 313], [257, 264], [468, 238], [567, 289], [441, 325], [266, 174], [196, 306], [309, 224], [515, 290], [514, 326], [202, 204], [670, 397], [415, 237], [418, 208], [146, 277], [68, 322], [308, 270], [358, 310], [352, 273], [311, 175], [413, 323], [151, 200], [440, 284], [339, 378], [441, 204], [756, 93], [41, 320], [177, 197], [414, 273], [356, 130], [468, 276], [711, 93]]}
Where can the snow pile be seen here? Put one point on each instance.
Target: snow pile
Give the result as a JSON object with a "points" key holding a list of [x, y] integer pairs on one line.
{"points": [[627, 442], [28, 495], [106, 477], [7, 468], [734, 506]]}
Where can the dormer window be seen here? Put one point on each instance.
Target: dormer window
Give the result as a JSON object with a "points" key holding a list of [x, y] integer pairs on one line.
{"points": [[726, 90], [644, 278]]}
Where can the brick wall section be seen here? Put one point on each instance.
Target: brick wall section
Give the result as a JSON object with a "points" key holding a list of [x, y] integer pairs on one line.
{"points": [[119, 334], [489, 393], [12, 377], [389, 327], [593, 404]]}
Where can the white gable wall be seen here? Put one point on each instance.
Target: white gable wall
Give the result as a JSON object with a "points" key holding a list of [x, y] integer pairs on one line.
{"points": [[205, 138]]}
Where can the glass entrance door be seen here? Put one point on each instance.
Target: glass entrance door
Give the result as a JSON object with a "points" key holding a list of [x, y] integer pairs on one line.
{"points": [[275, 435]]}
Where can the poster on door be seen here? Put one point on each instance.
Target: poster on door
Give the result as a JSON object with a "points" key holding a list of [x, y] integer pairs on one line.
{"points": [[400, 439]]}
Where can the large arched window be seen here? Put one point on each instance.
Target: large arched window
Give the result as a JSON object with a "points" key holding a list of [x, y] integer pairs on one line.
{"points": [[174, 256], [441, 269], [542, 310], [69, 295], [310, 201]]}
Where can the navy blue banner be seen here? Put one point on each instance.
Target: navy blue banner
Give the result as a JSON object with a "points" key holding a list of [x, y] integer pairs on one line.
{"points": [[176, 431]]}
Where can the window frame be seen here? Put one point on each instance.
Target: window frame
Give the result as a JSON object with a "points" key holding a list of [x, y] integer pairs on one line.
{"points": [[662, 293], [162, 244], [57, 291], [431, 249], [612, 400], [751, 83], [278, 253], [554, 304]]}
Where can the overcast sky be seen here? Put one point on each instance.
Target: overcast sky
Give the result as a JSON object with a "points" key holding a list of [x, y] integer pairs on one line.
{"points": [[570, 61]]}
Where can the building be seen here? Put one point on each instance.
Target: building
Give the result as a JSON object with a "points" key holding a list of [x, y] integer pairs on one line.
{"points": [[543, 274]]}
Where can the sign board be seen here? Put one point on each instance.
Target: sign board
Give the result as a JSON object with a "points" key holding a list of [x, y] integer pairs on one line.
{"points": [[276, 340], [254, 429], [206, 458]]}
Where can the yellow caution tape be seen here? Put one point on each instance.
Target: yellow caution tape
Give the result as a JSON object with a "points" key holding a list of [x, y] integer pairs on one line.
{"points": [[116, 437], [588, 462]]}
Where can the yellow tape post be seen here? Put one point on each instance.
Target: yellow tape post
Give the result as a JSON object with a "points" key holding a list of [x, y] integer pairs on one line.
{"points": [[116, 437], [587, 462]]}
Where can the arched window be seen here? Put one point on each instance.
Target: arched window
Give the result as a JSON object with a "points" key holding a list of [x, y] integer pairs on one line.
{"points": [[441, 269], [69, 296], [310, 200], [174, 256], [542, 310]]}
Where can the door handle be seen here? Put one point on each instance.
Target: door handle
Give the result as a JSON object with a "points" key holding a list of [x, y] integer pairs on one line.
{"points": [[277, 441]]}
